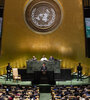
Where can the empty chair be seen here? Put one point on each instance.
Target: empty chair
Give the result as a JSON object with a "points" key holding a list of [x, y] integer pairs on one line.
{"points": [[15, 74]]}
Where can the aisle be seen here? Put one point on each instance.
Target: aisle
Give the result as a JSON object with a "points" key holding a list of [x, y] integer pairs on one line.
{"points": [[45, 96]]}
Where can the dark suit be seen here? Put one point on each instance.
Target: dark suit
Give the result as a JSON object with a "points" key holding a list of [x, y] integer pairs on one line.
{"points": [[43, 68], [8, 68], [79, 72]]}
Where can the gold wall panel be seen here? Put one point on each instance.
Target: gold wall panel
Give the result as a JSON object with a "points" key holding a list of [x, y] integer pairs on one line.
{"points": [[66, 43]]}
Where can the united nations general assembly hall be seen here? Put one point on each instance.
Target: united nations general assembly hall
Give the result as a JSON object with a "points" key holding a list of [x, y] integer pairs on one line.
{"points": [[44, 49]]}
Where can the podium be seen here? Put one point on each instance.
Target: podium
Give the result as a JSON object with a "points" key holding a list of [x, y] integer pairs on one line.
{"points": [[47, 78]]}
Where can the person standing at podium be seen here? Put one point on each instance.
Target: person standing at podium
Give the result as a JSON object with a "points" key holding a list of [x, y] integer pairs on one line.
{"points": [[44, 68]]}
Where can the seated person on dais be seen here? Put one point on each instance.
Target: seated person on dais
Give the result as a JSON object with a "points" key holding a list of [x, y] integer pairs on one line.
{"points": [[44, 58]]}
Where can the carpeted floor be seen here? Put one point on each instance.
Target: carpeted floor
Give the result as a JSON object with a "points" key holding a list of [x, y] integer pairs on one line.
{"points": [[74, 82], [45, 96]]}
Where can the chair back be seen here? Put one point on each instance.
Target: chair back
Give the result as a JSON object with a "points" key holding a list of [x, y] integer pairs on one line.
{"points": [[15, 72]]}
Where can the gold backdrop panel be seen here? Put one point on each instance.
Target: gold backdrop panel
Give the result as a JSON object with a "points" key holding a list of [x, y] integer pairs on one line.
{"points": [[67, 42]]}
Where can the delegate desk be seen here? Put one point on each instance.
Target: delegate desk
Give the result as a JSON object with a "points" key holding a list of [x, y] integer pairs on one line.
{"points": [[33, 66]]}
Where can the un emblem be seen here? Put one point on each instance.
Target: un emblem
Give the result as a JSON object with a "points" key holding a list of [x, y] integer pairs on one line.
{"points": [[43, 16]]}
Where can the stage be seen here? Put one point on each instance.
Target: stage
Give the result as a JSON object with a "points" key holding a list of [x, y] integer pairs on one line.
{"points": [[73, 81], [51, 76]]}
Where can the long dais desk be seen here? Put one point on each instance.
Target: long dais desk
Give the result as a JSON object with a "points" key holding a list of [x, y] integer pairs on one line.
{"points": [[36, 66]]}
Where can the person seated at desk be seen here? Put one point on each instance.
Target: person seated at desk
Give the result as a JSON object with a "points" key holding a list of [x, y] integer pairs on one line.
{"points": [[44, 58], [51, 58], [34, 58]]}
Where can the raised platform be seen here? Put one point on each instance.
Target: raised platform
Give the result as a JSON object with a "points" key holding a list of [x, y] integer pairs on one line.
{"points": [[73, 81], [65, 74]]}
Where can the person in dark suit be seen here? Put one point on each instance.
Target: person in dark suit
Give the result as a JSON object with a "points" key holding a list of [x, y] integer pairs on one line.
{"points": [[8, 68], [79, 72], [43, 68]]}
